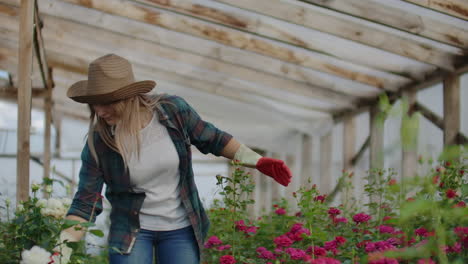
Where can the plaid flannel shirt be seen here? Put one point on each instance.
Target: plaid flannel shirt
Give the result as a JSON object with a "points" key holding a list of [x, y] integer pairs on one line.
{"points": [[185, 128]]}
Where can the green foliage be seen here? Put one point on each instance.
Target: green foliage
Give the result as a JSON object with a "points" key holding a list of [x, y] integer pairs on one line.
{"points": [[421, 215], [31, 225]]}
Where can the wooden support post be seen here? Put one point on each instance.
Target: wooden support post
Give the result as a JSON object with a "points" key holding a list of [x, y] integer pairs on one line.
{"points": [[376, 138], [376, 145], [349, 145], [307, 162], [24, 98], [326, 180], [46, 74], [409, 136], [451, 109], [58, 134]]}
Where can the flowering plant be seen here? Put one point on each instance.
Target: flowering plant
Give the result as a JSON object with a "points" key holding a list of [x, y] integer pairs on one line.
{"points": [[31, 233], [418, 220]]}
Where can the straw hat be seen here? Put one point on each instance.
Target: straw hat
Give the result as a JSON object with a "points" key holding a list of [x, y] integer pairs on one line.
{"points": [[110, 78]]}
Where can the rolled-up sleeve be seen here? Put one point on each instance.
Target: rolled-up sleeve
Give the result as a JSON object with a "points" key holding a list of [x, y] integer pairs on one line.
{"points": [[204, 135], [87, 202]]}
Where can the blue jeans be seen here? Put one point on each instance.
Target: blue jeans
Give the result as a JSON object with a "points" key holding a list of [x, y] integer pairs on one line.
{"points": [[169, 247]]}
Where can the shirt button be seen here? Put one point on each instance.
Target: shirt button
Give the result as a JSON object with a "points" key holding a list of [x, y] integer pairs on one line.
{"points": [[135, 212]]}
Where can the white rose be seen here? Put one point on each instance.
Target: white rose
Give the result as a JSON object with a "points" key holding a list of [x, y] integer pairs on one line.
{"points": [[20, 208], [36, 255]]}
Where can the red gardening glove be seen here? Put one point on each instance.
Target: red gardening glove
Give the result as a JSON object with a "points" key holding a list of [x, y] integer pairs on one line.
{"points": [[276, 169]]}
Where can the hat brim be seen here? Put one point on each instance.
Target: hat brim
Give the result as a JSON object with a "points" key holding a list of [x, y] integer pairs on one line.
{"points": [[125, 92]]}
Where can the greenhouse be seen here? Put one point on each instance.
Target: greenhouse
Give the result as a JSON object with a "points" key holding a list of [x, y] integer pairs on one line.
{"points": [[263, 131]]}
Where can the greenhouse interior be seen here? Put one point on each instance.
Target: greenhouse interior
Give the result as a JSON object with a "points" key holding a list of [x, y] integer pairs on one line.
{"points": [[362, 103]]}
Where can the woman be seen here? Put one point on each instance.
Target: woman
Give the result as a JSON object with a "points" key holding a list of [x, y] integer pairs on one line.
{"points": [[139, 146]]}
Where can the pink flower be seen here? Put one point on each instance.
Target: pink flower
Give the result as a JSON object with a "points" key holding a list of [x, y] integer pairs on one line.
{"points": [[317, 251], [334, 211], [392, 182], [383, 229], [379, 258], [460, 204], [283, 241], [280, 211], [340, 240], [330, 245], [263, 253], [394, 241], [450, 193], [295, 234], [456, 248], [320, 198], [461, 230], [361, 218], [421, 232], [325, 261], [251, 230], [378, 246], [295, 253], [227, 259], [213, 241], [426, 261], [224, 247]]}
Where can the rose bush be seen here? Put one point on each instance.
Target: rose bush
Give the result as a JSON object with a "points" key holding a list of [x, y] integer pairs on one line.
{"points": [[419, 220], [29, 234]]}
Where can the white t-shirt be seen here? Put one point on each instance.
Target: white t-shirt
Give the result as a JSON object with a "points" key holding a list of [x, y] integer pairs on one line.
{"points": [[157, 174]]}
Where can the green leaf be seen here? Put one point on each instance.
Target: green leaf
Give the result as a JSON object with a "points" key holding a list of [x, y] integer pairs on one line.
{"points": [[97, 232], [87, 224], [69, 223]]}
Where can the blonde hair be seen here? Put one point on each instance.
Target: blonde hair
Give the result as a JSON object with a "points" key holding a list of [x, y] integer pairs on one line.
{"points": [[124, 136]]}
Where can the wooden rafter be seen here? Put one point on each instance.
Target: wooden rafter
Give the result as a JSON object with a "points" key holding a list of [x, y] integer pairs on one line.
{"points": [[342, 26], [220, 35], [401, 19], [458, 8]]}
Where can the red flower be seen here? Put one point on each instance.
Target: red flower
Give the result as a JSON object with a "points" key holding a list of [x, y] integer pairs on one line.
{"points": [[383, 229], [213, 241], [361, 218], [227, 259], [317, 251], [325, 261], [450, 193], [340, 240], [392, 182], [263, 253], [421, 232], [295, 253], [283, 241], [460, 204], [320, 198], [224, 247], [280, 211], [334, 211]]}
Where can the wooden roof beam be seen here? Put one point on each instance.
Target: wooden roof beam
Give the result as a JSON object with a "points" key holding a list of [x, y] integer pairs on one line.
{"points": [[209, 31], [12, 92], [280, 22], [67, 40], [457, 8], [450, 33], [433, 79]]}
